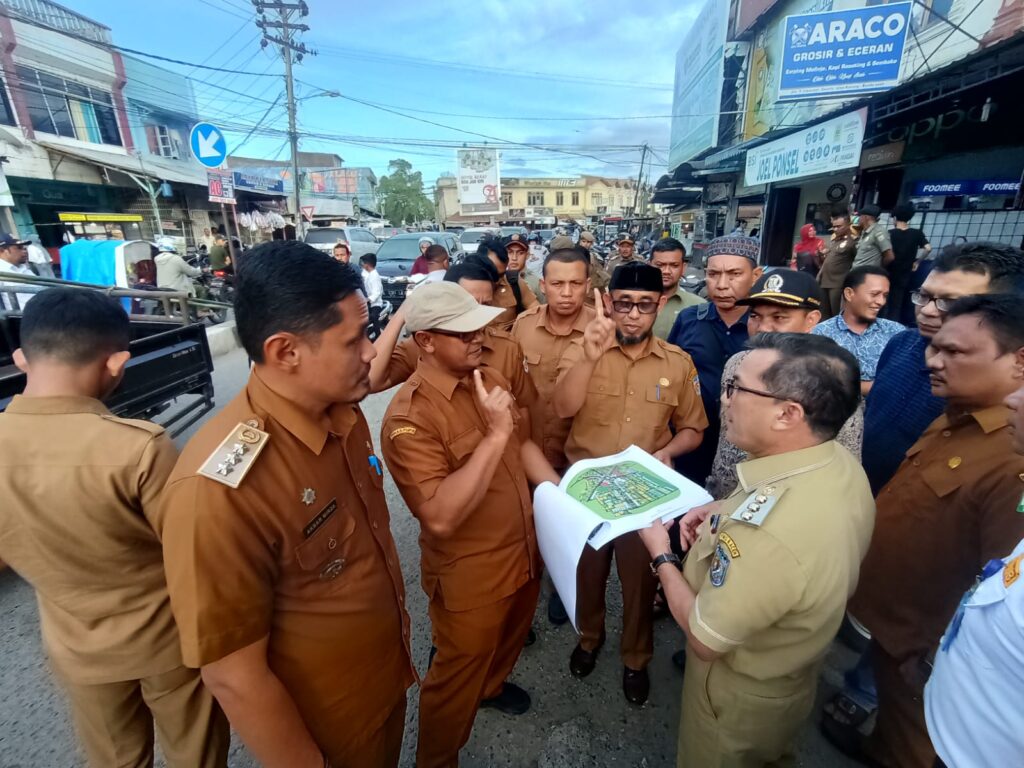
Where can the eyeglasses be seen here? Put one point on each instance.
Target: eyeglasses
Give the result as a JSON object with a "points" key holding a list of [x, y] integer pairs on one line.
{"points": [[467, 337], [644, 307], [730, 387], [923, 299]]}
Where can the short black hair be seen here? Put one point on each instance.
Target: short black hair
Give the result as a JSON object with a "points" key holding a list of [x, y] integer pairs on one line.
{"points": [[74, 326], [667, 245], [369, 258], [857, 276], [472, 269], [289, 286], [1001, 313], [903, 212], [435, 254], [839, 212], [567, 256], [1003, 264], [495, 246], [817, 373], [342, 245]]}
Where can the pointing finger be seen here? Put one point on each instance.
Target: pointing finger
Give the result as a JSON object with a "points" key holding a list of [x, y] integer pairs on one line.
{"points": [[478, 381], [598, 304]]}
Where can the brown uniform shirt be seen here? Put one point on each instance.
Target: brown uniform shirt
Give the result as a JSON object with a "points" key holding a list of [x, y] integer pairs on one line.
{"points": [[950, 508], [431, 429], [543, 350], [838, 261], [263, 559], [80, 521], [506, 299], [632, 402]]}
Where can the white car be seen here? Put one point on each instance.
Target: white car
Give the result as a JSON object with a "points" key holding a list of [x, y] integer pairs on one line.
{"points": [[360, 240]]}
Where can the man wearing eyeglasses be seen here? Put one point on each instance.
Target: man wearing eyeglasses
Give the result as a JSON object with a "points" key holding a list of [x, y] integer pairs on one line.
{"points": [[623, 386], [452, 439]]}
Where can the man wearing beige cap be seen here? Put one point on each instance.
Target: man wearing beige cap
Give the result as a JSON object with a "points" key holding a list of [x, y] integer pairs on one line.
{"points": [[626, 252], [451, 440]]}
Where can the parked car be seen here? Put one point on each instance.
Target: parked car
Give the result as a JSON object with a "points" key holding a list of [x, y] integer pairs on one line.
{"points": [[547, 235], [470, 238], [384, 233], [360, 240], [397, 254]]}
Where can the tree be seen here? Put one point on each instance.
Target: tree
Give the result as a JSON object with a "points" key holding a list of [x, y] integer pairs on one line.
{"points": [[402, 195]]}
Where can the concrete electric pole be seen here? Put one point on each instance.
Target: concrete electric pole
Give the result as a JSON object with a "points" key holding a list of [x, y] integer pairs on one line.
{"points": [[284, 39]]}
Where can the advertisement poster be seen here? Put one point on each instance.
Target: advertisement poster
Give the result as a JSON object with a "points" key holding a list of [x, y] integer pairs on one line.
{"points": [[843, 53], [221, 186], [479, 181]]}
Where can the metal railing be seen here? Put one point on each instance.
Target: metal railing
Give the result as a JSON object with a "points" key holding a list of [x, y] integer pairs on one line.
{"points": [[58, 17]]}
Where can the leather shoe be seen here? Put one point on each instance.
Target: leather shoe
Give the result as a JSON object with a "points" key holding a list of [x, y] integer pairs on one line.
{"points": [[582, 662], [512, 700], [531, 638], [636, 684]]}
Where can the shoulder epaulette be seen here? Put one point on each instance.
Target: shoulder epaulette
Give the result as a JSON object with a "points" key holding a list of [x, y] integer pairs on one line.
{"points": [[234, 457], [757, 506]]}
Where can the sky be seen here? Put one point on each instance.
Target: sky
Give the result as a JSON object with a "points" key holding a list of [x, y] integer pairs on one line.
{"points": [[449, 71]]}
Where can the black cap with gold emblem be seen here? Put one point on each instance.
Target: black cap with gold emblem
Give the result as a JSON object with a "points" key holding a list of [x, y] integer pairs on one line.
{"points": [[787, 288]]}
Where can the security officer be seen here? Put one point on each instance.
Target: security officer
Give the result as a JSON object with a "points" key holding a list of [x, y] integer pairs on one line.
{"points": [[451, 442], [623, 386], [518, 267], [80, 521], [283, 575], [625, 252], [511, 299], [768, 574]]}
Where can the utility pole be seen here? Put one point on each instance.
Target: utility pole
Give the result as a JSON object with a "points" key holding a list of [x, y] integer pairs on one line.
{"points": [[639, 179], [284, 40]]}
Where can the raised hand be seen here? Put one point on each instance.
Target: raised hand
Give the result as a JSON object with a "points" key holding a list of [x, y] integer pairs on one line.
{"points": [[655, 538], [599, 335], [691, 521], [497, 406]]}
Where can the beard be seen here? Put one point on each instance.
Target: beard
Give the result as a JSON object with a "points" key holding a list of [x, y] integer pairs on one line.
{"points": [[628, 341]]}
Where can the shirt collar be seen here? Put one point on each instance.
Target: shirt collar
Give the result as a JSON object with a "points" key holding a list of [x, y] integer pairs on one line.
{"points": [[56, 405], [769, 469], [442, 381], [580, 324], [308, 431], [712, 315], [989, 419]]}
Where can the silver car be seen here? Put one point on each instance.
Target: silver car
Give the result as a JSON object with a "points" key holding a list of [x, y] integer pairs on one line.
{"points": [[360, 240]]}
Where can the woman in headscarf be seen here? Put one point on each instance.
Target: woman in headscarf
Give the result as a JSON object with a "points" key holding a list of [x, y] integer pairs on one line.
{"points": [[807, 254]]}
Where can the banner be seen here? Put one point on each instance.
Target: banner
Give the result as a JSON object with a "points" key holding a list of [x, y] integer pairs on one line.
{"points": [[256, 183], [823, 148], [1006, 187], [221, 186], [478, 181], [843, 53]]}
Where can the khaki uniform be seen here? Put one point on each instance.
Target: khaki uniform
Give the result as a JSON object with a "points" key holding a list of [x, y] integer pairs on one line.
{"points": [[80, 521], [300, 551], [483, 580], [872, 244], [543, 350], [599, 278], [676, 303], [772, 572], [615, 260], [837, 264], [629, 402], [506, 299], [950, 508]]}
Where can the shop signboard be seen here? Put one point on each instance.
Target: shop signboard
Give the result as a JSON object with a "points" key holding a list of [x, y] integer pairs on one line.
{"points": [[478, 181], [700, 74], [967, 187], [823, 148], [843, 53], [253, 182], [221, 186], [73, 217]]}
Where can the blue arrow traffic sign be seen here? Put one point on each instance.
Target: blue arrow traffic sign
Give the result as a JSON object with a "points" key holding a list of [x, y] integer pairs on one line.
{"points": [[208, 144]]}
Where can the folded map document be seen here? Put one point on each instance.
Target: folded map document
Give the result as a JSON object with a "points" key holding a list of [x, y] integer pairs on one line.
{"points": [[597, 501]]}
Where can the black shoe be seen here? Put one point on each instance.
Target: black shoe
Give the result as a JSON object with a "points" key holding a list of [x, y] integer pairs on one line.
{"points": [[679, 660], [582, 662], [636, 684], [556, 610], [531, 638], [512, 700]]}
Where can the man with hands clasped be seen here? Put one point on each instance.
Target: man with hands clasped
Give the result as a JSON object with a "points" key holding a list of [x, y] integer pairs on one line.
{"points": [[623, 386], [770, 568]]}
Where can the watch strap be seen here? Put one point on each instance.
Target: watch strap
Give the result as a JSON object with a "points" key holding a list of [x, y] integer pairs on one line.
{"points": [[660, 560]]}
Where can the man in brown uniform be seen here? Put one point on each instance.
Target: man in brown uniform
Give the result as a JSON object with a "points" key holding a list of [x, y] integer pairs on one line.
{"points": [[623, 386], [80, 521], [842, 249], [512, 300], [451, 443], [282, 571], [950, 508]]}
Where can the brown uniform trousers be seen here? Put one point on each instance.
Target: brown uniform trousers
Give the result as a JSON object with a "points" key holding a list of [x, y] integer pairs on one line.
{"points": [[948, 510], [628, 402], [482, 580], [81, 491]]}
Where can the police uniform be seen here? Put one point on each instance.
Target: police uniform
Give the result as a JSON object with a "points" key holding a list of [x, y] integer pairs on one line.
{"points": [[483, 580], [505, 298], [772, 571], [276, 525], [543, 349], [80, 521], [629, 402]]}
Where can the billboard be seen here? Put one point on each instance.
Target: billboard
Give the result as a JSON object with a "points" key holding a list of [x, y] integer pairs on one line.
{"points": [[842, 53], [700, 73], [221, 186], [478, 181], [823, 148]]}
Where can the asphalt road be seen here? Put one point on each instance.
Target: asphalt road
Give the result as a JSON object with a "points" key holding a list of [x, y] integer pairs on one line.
{"points": [[573, 723]]}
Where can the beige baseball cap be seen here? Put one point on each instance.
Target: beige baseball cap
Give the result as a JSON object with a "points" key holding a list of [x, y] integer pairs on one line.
{"points": [[446, 306]]}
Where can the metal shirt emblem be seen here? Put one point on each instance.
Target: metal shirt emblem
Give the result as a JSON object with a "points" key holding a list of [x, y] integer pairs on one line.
{"points": [[308, 496], [332, 569]]}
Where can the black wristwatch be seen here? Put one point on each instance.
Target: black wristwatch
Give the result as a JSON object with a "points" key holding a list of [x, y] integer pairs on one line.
{"points": [[668, 557]]}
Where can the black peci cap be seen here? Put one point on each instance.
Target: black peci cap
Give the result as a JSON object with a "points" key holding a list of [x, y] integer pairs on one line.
{"points": [[636, 276]]}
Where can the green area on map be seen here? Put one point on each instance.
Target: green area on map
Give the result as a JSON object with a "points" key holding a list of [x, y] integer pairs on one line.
{"points": [[622, 489]]}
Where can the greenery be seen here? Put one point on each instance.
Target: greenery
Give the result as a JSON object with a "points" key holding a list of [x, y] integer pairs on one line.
{"points": [[402, 195]]}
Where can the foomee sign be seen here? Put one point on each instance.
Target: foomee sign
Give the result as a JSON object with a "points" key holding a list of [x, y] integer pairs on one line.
{"points": [[843, 53]]}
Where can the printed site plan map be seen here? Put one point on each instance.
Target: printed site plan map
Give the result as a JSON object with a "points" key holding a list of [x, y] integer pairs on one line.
{"points": [[626, 488]]}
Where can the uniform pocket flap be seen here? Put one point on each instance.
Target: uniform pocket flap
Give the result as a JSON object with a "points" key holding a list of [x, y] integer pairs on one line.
{"points": [[662, 396], [533, 358], [464, 444], [942, 479], [327, 541]]}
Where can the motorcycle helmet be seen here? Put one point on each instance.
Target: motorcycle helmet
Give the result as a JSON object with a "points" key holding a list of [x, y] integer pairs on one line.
{"points": [[166, 245]]}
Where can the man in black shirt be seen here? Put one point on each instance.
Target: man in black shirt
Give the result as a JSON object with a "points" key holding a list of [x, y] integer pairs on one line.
{"points": [[907, 242]]}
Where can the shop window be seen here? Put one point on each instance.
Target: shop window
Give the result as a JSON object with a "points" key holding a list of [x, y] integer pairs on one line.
{"points": [[559, 199], [596, 198], [6, 113], [506, 199], [575, 198], [535, 198], [70, 109]]}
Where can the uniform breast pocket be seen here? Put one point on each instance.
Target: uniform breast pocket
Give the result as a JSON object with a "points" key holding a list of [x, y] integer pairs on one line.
{"points": [[604, 400], [324, 556], [661, 403], [941, 479], [461, 447]]}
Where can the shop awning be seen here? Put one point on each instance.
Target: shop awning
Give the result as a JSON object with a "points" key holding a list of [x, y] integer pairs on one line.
{"points": [[149, 167]]}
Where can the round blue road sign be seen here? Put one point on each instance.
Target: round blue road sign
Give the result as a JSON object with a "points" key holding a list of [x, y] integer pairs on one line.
{"points": [[208, 144]]}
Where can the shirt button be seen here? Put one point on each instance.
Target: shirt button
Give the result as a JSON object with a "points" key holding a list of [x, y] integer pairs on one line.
{"points": [[946, 433], [628, 419], [375, 525], [631, 391]]}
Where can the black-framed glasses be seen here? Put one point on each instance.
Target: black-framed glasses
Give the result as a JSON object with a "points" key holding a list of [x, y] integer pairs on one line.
{"points": [[624, 307], [730, 387], [466, 337], [923, 299]]}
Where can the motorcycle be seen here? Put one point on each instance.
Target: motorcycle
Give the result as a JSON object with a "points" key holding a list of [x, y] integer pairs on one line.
{"points": [[379, 318]]}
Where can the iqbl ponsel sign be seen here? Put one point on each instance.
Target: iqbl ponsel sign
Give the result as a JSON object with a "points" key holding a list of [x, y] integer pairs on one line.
{"points": [[843, 53]]}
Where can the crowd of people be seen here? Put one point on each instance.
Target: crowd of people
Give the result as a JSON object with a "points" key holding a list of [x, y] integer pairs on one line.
{"points": [[859, 467]]}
